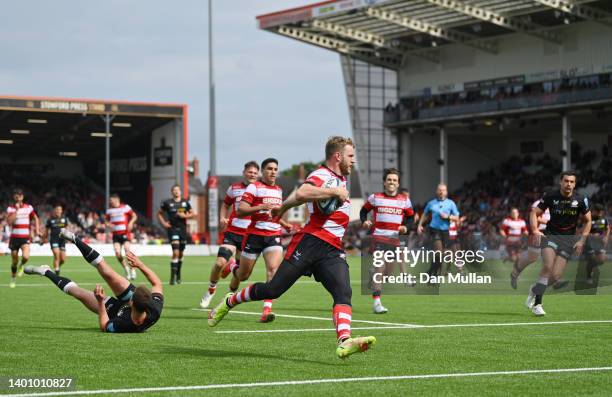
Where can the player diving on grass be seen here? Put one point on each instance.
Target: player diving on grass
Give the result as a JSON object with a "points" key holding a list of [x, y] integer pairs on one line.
{"points": [[234, 227], [558, 240], [392, 216], [316, 250], [133, 309]]}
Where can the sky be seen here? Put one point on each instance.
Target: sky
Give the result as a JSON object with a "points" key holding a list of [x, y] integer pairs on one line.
{"points": [[274, 96]]}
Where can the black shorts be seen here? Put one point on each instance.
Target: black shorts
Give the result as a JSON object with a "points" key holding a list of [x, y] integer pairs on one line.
{"points": [[255, 244], [594, 246], [15, 243], [563, 245], [437, 234], [114, 304], [120, 239], [234, 239], [58, 243], [177, 238], [315, 257]]}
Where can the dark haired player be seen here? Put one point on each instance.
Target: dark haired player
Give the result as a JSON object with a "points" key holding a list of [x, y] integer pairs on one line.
{"points": [[133, 309], [235, 228], [317, 250], [595, 248], [20, 217], [173, 214], [263, 235], [52, 229], [558, 240], [392, 216], [120, 218]]}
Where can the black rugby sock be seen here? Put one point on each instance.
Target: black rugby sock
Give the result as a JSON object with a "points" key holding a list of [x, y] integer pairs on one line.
{"points": [[91, 255], [60, 282]]}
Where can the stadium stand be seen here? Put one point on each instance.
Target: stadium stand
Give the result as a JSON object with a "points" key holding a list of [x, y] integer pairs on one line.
{"points": [[83, 203]]}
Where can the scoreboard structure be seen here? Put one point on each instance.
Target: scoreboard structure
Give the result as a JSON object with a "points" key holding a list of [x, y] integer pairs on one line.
{"points": [[146, 146]]}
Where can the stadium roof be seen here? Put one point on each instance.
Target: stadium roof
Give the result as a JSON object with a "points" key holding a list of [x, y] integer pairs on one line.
{"points": [[383, 32], [39, 125]]}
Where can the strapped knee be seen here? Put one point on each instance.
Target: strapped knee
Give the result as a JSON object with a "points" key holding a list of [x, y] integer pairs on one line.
{"points": [[224, 253]]}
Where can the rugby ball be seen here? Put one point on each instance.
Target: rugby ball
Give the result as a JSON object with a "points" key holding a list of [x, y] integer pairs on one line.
{"points": [[328, 206]]}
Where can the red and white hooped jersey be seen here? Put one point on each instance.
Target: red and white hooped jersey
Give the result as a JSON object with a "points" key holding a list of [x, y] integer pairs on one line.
{"points": [[545, 216], [329, 228], [514, 228], [262, 223], [389, 213], [21, 227], [233, 196], [452, 229], [119, 218]]}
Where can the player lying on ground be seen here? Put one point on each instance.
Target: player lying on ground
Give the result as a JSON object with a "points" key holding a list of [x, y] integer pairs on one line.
{"points": [[133, 309], [392, 215], [317, 250], [234, 228], [558, 240]]}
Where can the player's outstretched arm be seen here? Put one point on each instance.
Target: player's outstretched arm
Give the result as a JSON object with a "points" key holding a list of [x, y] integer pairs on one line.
{"points": [[134, 261], [102, 315]]}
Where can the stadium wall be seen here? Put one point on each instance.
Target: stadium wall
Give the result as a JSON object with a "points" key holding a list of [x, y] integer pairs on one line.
{"points": [[586, 49], [167, 162]]}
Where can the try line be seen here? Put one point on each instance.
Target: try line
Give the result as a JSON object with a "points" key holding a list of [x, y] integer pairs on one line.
{"points": [[257, 331], [314, 382], [402, 325]]}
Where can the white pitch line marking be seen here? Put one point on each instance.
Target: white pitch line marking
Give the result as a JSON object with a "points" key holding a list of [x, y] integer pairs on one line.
{"points": [[184, 283], [314, 382], [416, 326], [318, 318]]}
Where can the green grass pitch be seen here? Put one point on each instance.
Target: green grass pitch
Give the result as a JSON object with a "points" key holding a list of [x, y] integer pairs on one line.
{"points": [[45, 333]]}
